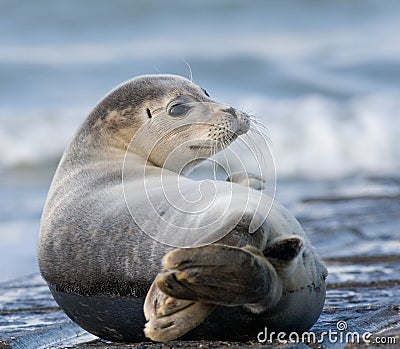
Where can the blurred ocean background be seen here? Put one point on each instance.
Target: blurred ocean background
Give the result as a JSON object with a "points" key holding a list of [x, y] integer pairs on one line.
{"points": [[323, 76]]}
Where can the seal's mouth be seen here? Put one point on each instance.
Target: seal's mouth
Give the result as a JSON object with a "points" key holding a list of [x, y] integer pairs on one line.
{"points": [[221, 142], [196, 147]]}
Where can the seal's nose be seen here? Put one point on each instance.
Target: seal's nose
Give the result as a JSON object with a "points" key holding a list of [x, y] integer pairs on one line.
{"points": [[231, 111], [244, 123], [242, 118]]}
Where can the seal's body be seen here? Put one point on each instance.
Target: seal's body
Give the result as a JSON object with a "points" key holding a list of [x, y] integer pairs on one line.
{"points": [[112, 215]]}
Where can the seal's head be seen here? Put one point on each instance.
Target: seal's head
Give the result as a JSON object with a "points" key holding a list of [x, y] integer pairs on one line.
{"points": [[168, 120]]}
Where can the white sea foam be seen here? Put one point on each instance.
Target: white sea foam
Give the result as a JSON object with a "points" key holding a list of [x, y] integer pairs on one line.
{"points": [[35, 137], [317, 137]]}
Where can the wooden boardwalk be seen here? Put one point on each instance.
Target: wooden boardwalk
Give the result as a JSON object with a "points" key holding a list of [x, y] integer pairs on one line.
{"points": [[358, 234]]}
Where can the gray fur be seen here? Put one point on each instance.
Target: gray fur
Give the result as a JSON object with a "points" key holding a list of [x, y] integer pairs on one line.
{"points": [[89, 244]]}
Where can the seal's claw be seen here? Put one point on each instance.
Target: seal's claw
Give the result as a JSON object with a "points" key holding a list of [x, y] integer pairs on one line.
{"points": [[220, 274], [247, 179], [169, 318]]}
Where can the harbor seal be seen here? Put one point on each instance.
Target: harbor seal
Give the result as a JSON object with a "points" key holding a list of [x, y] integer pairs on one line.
{"points": [[131, 247]]}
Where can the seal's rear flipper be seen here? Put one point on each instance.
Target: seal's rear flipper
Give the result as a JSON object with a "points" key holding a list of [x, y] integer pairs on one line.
{"points": [[169, 318]]}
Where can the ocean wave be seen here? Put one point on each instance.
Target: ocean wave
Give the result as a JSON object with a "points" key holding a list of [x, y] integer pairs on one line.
{"points": [[31, 138], [312, 136], [333, 47], [316, 137]]}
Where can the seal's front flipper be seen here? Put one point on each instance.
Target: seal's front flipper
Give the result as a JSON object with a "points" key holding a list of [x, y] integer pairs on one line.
{"points": [[169, 318], [247, 179], [220, 274]]}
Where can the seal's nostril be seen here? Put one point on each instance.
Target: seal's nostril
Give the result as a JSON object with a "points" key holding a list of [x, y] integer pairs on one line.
{"points": [[230, 111]]}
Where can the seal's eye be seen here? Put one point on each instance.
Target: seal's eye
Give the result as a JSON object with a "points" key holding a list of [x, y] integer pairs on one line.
{"points": [[205, 92], [178, 110]]}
